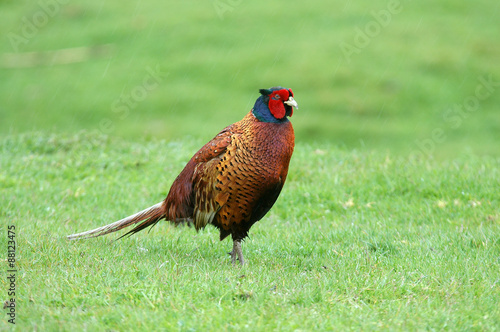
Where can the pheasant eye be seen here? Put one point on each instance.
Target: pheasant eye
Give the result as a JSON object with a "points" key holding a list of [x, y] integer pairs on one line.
{"points": [[276, 96]]}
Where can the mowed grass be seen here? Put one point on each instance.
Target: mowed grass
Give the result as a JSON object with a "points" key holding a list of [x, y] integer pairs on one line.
{"points": [[389, 218], [357, 240]]}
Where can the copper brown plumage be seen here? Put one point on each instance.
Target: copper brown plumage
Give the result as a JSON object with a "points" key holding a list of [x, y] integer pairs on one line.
{"points": [[233, 180]]}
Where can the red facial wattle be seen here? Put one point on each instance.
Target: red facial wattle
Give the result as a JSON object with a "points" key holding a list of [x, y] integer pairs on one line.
{"points": [[276, 106]]}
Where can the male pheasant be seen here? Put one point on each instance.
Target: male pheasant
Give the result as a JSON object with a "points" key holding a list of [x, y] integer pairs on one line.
{"points": [[233, 180]]}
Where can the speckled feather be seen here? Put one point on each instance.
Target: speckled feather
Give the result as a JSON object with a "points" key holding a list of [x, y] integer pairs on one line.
{"points": [[235, 178]]}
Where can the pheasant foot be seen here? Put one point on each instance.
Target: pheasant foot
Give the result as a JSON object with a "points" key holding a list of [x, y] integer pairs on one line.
{"points": [[237, 252]]}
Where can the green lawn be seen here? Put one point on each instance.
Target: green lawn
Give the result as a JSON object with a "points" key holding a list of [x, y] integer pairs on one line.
{"points": [[390, 216], [403, 81], [356, 241]]}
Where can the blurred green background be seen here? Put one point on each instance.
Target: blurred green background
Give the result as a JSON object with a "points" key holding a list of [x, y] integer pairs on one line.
{"points": [[404, 76]]}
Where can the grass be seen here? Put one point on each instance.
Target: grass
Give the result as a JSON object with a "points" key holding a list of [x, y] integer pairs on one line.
{"points": [[389, 218], [396, 90], [357, 240]]}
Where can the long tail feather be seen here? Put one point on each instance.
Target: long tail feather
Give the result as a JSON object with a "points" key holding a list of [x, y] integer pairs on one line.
{"points": [[149, 217]]}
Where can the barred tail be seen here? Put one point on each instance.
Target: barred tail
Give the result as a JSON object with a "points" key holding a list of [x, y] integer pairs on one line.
{"points": [[149, 217]]}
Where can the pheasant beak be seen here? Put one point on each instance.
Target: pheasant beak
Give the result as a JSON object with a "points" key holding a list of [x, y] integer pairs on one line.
{"points": [[292, 102]]}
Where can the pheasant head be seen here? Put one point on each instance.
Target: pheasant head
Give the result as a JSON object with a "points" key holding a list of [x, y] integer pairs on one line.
{"points": [[274, 104]]}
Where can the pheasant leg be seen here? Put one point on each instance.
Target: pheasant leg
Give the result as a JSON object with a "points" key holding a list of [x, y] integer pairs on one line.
{"points": [[237, 252]]}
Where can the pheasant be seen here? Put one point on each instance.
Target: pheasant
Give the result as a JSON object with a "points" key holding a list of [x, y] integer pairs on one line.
{"points": [[232, 181]]}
